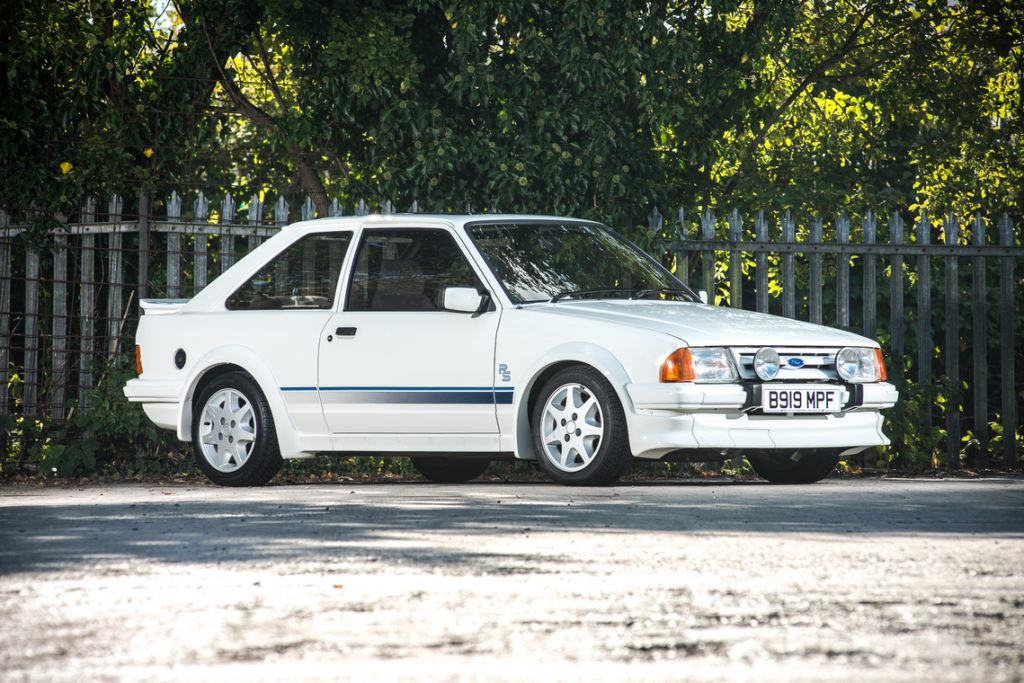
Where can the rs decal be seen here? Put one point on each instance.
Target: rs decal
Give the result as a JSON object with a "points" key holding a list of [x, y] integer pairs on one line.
{"points": [[506, 376]]}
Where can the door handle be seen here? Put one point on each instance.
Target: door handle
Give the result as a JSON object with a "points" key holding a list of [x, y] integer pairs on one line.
{"points": [[345, 332]]}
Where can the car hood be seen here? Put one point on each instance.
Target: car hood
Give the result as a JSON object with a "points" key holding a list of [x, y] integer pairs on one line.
{"points": [[701, 325]]}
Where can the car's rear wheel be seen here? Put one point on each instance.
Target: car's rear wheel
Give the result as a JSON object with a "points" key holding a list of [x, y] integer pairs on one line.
{"points": [[579, 429], [795, 467], [445, 469], [234, 440]]}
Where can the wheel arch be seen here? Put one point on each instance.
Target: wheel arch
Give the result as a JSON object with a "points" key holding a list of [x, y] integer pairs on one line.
{"points": [[589, 355], [223, 360]]}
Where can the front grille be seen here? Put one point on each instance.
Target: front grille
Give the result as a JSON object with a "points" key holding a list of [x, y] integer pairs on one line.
{"points": [[819, 364]]}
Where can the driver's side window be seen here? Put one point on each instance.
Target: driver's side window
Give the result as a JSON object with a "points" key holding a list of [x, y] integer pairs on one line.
{"points": [[406, 270]]}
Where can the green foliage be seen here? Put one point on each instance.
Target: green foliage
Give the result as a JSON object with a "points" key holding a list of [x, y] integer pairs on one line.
{"points": [[919, 437], [914, 444], [887, 106], [599, 109], [112, 436]]}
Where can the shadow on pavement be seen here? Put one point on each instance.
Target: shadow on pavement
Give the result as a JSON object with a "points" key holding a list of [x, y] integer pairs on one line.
{"points": [[336, 525]]}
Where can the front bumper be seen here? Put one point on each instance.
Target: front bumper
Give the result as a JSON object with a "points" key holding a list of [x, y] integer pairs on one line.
{"points": [[745, 397], [727, 417], [160, 399]]}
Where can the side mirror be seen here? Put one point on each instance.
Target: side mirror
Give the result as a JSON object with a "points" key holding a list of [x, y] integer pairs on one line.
{"points": [[703, 294], [460, 299]]}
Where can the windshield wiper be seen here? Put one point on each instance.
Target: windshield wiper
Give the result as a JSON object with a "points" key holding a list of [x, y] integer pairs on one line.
{"points": [[662, 290], [574, 292]]}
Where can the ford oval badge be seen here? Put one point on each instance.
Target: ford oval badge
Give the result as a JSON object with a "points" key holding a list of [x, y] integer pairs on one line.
{"points": [[795, 362]]}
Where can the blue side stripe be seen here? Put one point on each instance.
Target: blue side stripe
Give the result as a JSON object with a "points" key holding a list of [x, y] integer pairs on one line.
{"points": [[413, 395], [405, 389]]}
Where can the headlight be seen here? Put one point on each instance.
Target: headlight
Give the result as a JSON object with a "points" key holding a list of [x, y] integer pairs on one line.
{"points": [[860, 365], [699, 365], [714, 365], [767, 363]]}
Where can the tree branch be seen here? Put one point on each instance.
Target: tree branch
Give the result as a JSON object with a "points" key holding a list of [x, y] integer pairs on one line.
{"points": [[254, 113], [308, 174], [816, 75], [270, 75]]}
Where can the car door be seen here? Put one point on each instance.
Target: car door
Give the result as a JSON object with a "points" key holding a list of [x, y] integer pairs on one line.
{"points": [[392, 361]]}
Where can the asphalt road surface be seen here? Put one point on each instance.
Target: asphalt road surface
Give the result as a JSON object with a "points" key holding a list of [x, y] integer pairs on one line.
{"points": [[844, 580]]}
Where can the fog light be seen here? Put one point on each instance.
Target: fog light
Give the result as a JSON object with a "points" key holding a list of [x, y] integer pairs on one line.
{"points": [[847, 363], [767, 363]]}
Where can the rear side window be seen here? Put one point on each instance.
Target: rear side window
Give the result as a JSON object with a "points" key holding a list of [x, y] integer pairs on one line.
{"points": [[406, 270], [302, 277]]}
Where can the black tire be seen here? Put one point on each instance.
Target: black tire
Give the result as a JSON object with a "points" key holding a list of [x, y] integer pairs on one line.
{"points": [[222, 456], [445, 469], [794, 467], [567, 455]]}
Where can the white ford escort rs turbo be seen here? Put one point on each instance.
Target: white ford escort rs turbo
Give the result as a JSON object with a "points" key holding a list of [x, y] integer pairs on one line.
{"points": [[459, 340]]}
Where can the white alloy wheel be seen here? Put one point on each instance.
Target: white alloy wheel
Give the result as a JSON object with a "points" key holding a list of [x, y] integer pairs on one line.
{"points": [[572, 427], [227, 430]]}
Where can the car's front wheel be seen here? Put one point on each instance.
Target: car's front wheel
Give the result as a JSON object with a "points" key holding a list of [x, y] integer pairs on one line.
{"points": [[445, 469], [795, 467], [579, 429], [234, 440]]}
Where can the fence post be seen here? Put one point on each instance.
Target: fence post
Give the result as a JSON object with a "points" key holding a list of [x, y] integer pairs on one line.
{"points": [[683, 264], [870, 296], [736, 261], [761, 235], [281, 212], [174, 247], [1006, 293], [307, 209], [143, 246], [815, 276], [200, 241], [30, 392], [655, 221], [227, 241], [115, 259], [896, 292], [843, 273], [59, 373], [788, 268], [86, 310], [707, 228], [980, 348], [337, 210], [255, 218], [951, 229], [924, 311], [5, 309]]}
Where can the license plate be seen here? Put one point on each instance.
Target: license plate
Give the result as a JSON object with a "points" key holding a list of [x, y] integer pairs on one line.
{"points": [[801, 399]]}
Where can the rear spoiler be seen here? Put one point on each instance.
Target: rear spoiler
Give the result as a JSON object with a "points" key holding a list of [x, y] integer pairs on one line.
{"points": [[162, 306]]}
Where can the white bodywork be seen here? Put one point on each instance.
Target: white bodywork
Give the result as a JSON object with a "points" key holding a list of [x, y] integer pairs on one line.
{"points": [[314, 379]]}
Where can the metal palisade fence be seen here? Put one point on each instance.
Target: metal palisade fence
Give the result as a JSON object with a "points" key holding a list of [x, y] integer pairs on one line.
{"points": [[73, 302]]}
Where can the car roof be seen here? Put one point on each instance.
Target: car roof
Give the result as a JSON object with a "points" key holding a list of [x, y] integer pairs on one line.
{"points": [[406, 219]]}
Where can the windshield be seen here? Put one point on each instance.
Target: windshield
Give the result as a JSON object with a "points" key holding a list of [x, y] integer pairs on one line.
{"points": [[557, 261]]}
